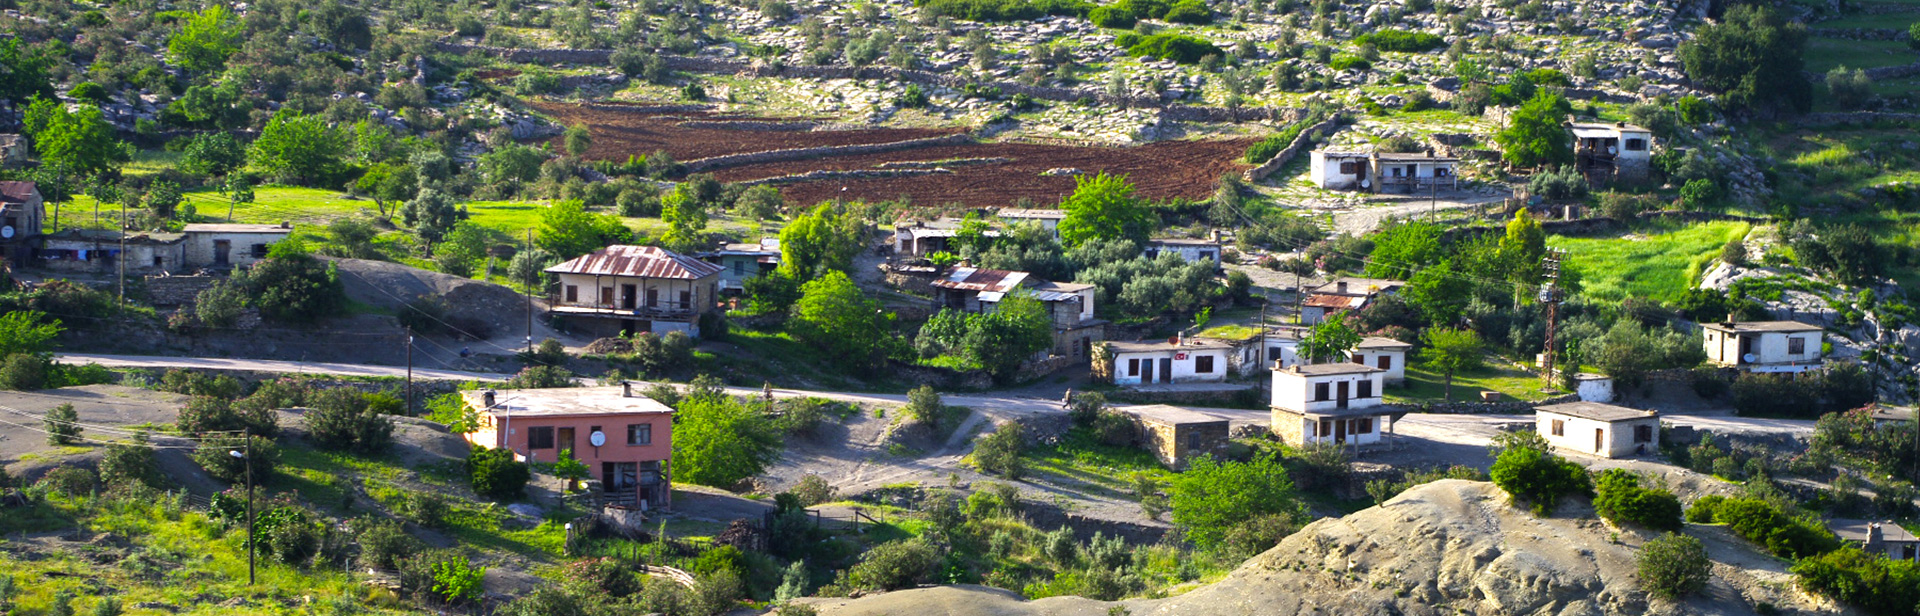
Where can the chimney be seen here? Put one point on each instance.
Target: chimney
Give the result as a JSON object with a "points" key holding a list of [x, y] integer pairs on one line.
{"points": [[1619, 124], [1875, 539], [1340, 286], [626, 389], [486, 398]]}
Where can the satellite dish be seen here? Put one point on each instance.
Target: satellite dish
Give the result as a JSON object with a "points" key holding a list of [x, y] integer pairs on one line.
{"points": [[1750, 358], [1613, 150], [6, 232], [1366, 183], [598, 438]]}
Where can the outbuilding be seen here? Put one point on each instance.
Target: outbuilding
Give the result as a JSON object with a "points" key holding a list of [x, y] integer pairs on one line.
{"points": [[1599, 429], [625, 438], [222, 245], [1884, 538], [1764, 346], [1190, 250], [1386, 354], [1191, 360], [1337, 404], [1175, 435]]}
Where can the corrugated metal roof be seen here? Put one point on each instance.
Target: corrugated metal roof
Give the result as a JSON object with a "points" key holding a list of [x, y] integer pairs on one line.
{"points": [[1031, 213], [977, 279], [637, 261], [1762, 326], [1334, 301], [17, 192]]}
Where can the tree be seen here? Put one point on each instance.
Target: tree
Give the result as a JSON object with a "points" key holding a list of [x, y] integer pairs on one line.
{"points": [[512, 163], [1451, 350], [999, 452], [1523, 248], [495, 474], [219, 305], [1211, 498], [1850, 89], [24, 72], [825, 239], [464, 247], [923, 404], [567, 230], [761, 202], [62, 425], [215, 455], [686, 218], [1403, 248], [299, 148], [836, 317], [1329, 341], [1536, 135], [219, 105], [1752, 57], [344, 419], [23, 332], [213, 155], [1673, 566], [719, 442], [1103, 207], [162, 197], [1439, 294], [291, 285], [79, 141], [432, 214], [570, 468], [577, 139], [1532, 475], [1000, 341], [239, 190], [206, 40]]}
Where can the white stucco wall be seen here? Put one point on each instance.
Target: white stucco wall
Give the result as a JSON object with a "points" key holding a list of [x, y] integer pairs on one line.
{"points": [[1770, 348], [1616, 438], [1594, 388], [1396, 368], [1183, 369], [200, 246], [1283, 350], [1297, 392], [1326, 173]]}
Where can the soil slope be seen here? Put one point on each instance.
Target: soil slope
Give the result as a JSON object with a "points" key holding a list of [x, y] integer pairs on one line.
{"points": [[1449, 547]]}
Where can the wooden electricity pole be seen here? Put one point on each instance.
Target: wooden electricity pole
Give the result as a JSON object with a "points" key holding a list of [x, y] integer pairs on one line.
{"points": [[1550, 295]]}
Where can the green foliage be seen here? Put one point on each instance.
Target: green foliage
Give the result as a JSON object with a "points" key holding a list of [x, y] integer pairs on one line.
{"points": [[1401, 40], [291, 285], [451, 409], [23, 372], [1349, 62], [1180, 48], [719, 441], [1130, 284], [1535, 134], [383, 543], [496, 475], [1402, 248], [1451, 351], [456, 581], [61, 425], [1005, 10], [1752, 56], [568, 230], [23, 332], [1328, 342], [1673, 566], [89, 91], [894, 565], [1113, 17], [1849, 252], [1103, 207], [1558, 183], [1700, 194], [577, 139], [299, 149], [1838, 388], [1628, 351], [999, 451], [1265, 149], [24, 72], [215, 456], [1211, 498], [1189, 12], [1532, 475], [923, 405], [206, 40], [1619, 497], [204, 414], [1765, 524], [819, 241], [834, 315], [344, 419], [79, 141], [686, 218], [213, 155], [1855, 438], [1876, 584]]}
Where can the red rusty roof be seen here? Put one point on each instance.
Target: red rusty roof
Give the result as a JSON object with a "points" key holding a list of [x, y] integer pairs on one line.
{"points": [[1341, 302], [637, 261], [978, 279], [16, 192]]}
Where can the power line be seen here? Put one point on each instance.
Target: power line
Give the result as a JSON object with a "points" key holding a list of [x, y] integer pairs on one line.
{"points": [[116, 429], [101, 442]]}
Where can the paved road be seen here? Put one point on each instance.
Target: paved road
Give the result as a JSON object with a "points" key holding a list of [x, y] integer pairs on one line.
{"points": [[271, 365]]}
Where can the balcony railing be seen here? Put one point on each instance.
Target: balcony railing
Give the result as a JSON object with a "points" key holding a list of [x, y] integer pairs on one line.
{"points": [[1420, 183], [663, 310]]}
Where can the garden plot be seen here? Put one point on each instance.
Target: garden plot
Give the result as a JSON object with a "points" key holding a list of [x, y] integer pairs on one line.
{"points": [[618, 134]]}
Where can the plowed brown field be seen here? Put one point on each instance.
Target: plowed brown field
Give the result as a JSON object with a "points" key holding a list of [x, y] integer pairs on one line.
{"points": [[1158, 170]]}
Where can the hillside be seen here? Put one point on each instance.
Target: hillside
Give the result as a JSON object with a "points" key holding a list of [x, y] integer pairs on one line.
{"points": [[1448, 547]]}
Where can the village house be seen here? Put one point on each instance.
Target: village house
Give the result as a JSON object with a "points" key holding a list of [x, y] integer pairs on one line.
{"points": [[1343, 294], [1190, 250], [1047, 219], [1605, 152], [920, 238], [1337, 403], [22, 215], [741, 261], [1764, 346], [625, 439], [1191, 360], [1382, 171], [1887, 415], [1175, 435], [1384, 353], [100, 251], [1885, 538], [635, 289], [1244, 353], [222, 245], [13, 150], [1070, 305], [1599, 429], [1283, 346], [974, 289]]}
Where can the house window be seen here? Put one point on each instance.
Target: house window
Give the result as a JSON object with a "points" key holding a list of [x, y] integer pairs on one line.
{"points": [[1636, 145], [573, 294], [1362, 425], [1203, 364], [1386, 362], [1796, 345], [540, 437], [1643, 434], [1349, 168], [1195, 442], [1360, 358], [1366, 389], [1396, 171], [640, 434], [1319, 391], [1441, 172], [1559, 427], [1326, 428], [259, 251], [606, 296], [1133, 366], [739, 268]]}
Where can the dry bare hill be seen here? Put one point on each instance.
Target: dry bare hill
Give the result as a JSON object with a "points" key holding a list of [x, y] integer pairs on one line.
{"points": [[1449, 547]]}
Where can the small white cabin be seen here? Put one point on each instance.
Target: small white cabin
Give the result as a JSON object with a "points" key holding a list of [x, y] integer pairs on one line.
{"points": [[1193, 360], [1338, 403], [1341, 170], [1764, 346], [1599, 429], [1384, 353]]}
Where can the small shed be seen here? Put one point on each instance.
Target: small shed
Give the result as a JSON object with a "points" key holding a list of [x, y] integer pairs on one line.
{"points": [[1599, 429], [1885, 538], [1386, 354], [1176, 435]]}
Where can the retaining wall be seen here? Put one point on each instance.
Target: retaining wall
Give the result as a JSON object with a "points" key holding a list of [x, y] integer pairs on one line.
{"points": [[856, 174], [1860, 34], [1300, 142], [754, 158], [1857, 117]]}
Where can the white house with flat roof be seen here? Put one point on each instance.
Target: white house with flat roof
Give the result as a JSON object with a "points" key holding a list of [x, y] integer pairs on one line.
{"points": [[1599, 429], [1382, 171], [230, 244], [1604, 151], [1338, 403], [1384, 353], [1191, 360], [1190, 250], [1047, 219], [1764, 346]]}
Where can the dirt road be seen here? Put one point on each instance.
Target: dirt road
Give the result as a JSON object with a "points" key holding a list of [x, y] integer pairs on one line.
{"points": [[271, 365], [1360, 220]]}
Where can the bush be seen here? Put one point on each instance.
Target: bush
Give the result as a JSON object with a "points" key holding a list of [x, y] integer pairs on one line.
{"points": [[1005, 10], [1876, 584], [1347, 62], [215, 456], [812, 490], [423, 508], [1764, 524], [542, 377], [62, 425], [1112, 17], [1619, 497], [343, 419], [1558, 183], [1531, 475], [206, 414], [132, 464], [1189, 12], [1179, 48], [1401, 40], [923, 405], [23, 372], [1673, 566], [894, 565], [1211, 498], [999, 452], [1700, 194], [383, 544], [70, 480], [495, 474]]}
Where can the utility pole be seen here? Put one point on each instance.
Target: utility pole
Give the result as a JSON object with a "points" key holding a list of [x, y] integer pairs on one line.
{"points": [[529, 282], [1550, 295], [121, 259], [247, 459], [409, 369], [1299, 318]]}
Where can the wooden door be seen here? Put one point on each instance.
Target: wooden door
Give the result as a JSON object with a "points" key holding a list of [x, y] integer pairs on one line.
{"points": [[563, 441], [1146, 375], [1342, 394], [1340, 425], [1166, 370], [629, 294], [1599, 440]]}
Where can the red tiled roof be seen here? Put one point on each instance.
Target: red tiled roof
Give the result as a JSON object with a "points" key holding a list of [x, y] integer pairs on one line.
{"points": [[16, 192], [637, 261]]}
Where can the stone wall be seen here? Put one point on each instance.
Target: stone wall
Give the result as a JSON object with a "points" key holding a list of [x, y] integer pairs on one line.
{"points": [[1301, 142], [1860, 34], [749, 125], [1857, 117], [754, 158], [176, 290], [856, 174], [1209, 397], [941, 378], [1512, 407], [648, 108], [1047, 515]]}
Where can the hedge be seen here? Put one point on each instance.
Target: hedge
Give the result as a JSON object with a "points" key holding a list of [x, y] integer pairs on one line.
{"points": [[1762, 523], [1344, 62], [1619, 497], [1401, 40], [1873, 582], [1006, 10]]}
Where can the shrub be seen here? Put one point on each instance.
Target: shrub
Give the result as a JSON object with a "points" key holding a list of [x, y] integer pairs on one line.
{"points": [[1189, 12], [894, 565], [70, 480], [132, 464], [495, 474], [1702, 510], [999, 452], [384, 544], [206, 414], [1112, 17], [1179, 48], [1346, 62], [1005, 10], [62, 425], [541, 377], [344, 420], [1673, 566], [1764, 524], [1211, 498], [424, 508], [1250, 538], [812, 490], [1619, 497], [23, 371], [215, 456], [1877, 584], [1531, 475], [923, 405], [1700, 194], [1401, 40]]}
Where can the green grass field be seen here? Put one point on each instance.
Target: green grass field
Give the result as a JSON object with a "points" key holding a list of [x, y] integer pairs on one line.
{"points": [[1429, 386], [1660, 267], [1825, 53]]}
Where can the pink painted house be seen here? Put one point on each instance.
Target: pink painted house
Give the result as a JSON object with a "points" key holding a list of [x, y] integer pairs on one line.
{"points": [[626, 438]]}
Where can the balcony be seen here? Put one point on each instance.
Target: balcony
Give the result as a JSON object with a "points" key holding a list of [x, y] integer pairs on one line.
{"points": [[664, 311], [1416, 184]]}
